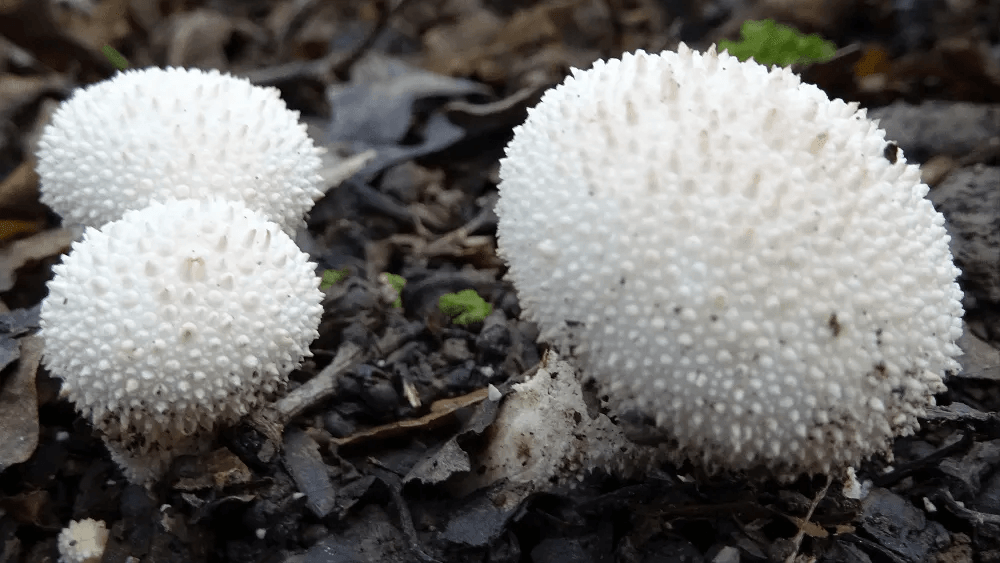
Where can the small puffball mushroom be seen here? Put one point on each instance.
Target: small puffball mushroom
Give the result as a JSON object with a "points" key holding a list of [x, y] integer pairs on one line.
{"points": [[175, 319], [82, 541], [733, 254], [156, 134]]}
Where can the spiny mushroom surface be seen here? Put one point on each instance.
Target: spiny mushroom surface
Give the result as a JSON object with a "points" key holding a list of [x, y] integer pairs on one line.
{"points": [[734, 254], [153, 134], [174, 319]]}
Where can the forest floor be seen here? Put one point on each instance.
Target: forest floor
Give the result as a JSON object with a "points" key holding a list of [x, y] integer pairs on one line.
{"points": [[415, 100]]}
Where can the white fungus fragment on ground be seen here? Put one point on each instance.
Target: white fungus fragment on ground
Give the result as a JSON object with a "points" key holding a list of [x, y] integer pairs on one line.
{"points": [[543, 434], [175, 319], [854, 489], [734, 254], [82, 541], [153, 134]]}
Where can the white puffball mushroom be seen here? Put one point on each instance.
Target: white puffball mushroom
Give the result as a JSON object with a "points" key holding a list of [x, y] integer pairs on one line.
{"points": [[734, 254], [155, 134], [175, 319], [82, 541]]}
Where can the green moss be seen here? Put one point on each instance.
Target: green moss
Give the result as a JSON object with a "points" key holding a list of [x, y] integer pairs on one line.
{"points": [[464, 307], [116, 59], [397, 282], [771, 43], [332, 277]]}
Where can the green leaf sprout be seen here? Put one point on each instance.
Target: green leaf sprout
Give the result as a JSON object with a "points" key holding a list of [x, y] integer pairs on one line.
{"points": [[397, 282], [116, 59], [332, 277], [464, 307], [771, 43]]}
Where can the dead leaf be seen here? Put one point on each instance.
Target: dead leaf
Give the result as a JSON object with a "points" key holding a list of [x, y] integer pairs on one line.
{"points": [[32, 26], [199, 38], [8, 6], [376, 108], [937, 168], [19, 405], [979, 359], [33, 508], [10, 351], [105, 23], [13, 228], [304, 462], [441, 410], [448, 460], [808, 527], [438, 134], [17, 92], [36, 247], [221, 469], [874, 60], [19, 190]]}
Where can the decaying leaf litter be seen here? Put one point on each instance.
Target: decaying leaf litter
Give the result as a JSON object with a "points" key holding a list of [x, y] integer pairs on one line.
{"points": [[368, 455]]}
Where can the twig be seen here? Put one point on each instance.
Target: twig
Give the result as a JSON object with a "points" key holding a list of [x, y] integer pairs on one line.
{"points": [[271, 420], [797, 540]]}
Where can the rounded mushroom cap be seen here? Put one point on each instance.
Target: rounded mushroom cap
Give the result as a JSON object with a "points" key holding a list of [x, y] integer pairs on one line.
{"points": [[82, 541], [734, 254], [175, 318], [155, 134]]}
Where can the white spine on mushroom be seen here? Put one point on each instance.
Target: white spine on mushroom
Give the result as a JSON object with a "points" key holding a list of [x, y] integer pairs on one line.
{"points": [[732, 252], [154, 134], [82, 541], [174, 319]]}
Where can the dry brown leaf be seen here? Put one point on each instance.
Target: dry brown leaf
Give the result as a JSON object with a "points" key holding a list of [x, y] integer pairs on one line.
{"points": [[809, 527], [221, 469], [32, 26], [13, 228], [453, 49], [20, 188], [531, 26], [844, 529], [480, 44], [8, 6], [19, 405], [18, 91], [199, 38], [38, 246], [936, 169], [107, 23], [33, 508], [440, 412]]}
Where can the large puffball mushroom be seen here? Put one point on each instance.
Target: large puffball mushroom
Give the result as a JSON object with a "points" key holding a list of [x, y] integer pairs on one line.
{"points": [[154, 134], [175, 319], [733, 254]]}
